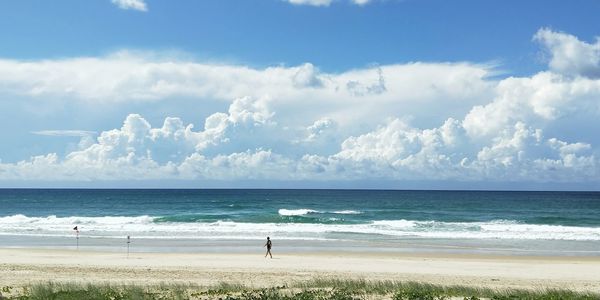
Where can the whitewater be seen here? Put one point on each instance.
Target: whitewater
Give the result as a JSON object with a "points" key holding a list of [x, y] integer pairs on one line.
{"points": [[519, 221]]}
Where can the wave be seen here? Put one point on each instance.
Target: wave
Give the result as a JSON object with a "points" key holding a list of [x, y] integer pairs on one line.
{"points": [[306, 211], [53, 220], [347, 212], [192, 218], [157, 227], [296, 212]]}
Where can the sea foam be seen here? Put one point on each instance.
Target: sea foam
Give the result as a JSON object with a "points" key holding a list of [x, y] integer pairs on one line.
{"points": [[347, 212], [296, 212], [306, 211], [149, 227]]}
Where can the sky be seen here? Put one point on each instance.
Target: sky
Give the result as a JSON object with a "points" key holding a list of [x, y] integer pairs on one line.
{"points": [[399, 94]]}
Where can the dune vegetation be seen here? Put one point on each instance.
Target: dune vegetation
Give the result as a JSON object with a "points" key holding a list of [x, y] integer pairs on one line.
{"points": [[317, 289]]}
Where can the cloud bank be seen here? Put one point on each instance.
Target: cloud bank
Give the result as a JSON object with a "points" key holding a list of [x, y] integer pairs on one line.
{"points": [[414, 121]]}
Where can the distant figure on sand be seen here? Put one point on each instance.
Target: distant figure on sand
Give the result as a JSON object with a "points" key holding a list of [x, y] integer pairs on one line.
{"points": [[268, 245]]}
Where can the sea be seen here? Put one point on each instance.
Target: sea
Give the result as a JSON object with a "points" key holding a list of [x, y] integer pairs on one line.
{"points": [[239, 220]]}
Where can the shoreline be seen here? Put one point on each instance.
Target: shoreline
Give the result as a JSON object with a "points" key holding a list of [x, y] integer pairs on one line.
{"points": [[498, 247], [24, 266]]}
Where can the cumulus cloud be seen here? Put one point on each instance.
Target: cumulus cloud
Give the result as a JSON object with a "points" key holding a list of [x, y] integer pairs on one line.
{"points": [[569, 55], [394, 150], [421, 91], [131, 4], [359, 89], [416, 121], [320, 128], [307, 76]]}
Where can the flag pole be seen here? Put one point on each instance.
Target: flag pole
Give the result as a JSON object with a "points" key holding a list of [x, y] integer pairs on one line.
{"points": [[77, 236], [128, 242]]}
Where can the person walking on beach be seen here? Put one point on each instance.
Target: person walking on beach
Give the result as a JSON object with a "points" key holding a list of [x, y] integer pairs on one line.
{"points": [[268, 245]]}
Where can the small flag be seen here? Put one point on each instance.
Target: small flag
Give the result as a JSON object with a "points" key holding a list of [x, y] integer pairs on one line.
{"points": [[75, 228]]}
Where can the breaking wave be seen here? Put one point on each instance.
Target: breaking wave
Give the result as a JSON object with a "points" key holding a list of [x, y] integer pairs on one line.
{"points": [[161, 227]]}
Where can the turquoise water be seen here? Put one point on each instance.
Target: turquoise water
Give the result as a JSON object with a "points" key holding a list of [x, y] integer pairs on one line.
{"points": [[540, 220]]}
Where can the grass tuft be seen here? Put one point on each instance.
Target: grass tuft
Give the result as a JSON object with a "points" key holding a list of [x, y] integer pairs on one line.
{"points": [[316, 289]]}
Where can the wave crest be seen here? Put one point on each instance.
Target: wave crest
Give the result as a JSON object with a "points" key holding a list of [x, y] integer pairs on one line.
{"points": [[347, 212], [306, 211], [152, 227], [296, 212]]}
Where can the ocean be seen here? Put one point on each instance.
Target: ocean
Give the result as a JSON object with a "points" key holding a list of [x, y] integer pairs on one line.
{"points": [[236, 220]]}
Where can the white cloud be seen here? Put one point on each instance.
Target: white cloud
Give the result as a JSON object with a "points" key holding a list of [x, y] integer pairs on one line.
{"points": [[361, 2], [307, 76], [415, 121], [239, 145], [325, 2], [320, 128], [569, 55], [78, 133], [311, 2], [427, 93], [541, 100], [131, 4]]}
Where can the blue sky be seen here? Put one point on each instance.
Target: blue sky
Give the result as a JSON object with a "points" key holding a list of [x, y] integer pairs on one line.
{"points": [[380, 93], [266, 32]]}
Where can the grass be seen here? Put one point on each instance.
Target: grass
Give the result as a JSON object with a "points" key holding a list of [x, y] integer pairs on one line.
{"points": [[316, 289], [415, 290]]}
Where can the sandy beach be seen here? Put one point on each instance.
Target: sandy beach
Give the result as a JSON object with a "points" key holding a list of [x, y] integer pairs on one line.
{"points": [[24, 266]]}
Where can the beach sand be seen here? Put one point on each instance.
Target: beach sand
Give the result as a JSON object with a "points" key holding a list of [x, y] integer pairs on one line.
{"points": [[24, 266]]}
